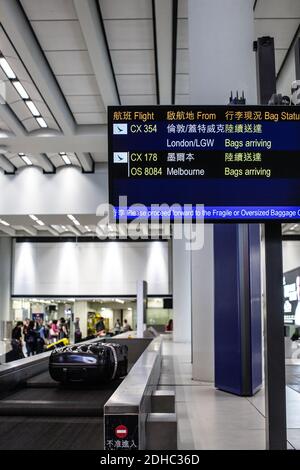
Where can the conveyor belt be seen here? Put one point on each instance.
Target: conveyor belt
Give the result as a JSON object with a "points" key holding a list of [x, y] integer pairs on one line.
{"points": [[45, 415]]}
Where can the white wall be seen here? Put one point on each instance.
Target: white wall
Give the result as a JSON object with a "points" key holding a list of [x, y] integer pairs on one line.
{"points": [[69, 191], [290, 255], [108, 268]]}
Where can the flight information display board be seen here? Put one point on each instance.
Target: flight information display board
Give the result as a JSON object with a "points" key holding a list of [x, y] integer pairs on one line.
{"points": [[241, 162]]}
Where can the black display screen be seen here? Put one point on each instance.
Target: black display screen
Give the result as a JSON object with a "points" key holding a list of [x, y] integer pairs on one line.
{"points": [[242, 163]]}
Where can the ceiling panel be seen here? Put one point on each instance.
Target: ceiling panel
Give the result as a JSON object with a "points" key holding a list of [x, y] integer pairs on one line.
{"points": [[97, 157], [57, 160], [282, 30], [78, 85], [279, 57], [31, 124], [3, 126], [182, 34], [11, 95], [130, 34], [90, 118], [182, 8], [49, 9], [70, 62], [21, 110], [182, 61], [87, 103], [277, 9], [15, 160], [126, 9], [182, 99], [59, 35], [136, 84], [182, 84], [138, 100], [133, 61]]}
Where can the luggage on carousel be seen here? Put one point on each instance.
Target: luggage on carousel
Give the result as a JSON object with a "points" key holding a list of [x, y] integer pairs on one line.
{"points": [[56, 344], [91, 362]]}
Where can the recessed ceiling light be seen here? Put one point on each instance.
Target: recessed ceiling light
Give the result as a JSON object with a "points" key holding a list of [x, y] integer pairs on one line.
{"points": [[87, 228], [26, 160], [7, 69], [20, 89], [65, 158], [32, 108], [74, 220], [40, 222], [3, 222], [41, 122], [33, 217]]}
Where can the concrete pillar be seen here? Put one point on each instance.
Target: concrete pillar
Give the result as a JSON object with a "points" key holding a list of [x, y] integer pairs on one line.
{"points": [[221, 35], [5, 278], [202, 267], [80, 311], [181, 258]]}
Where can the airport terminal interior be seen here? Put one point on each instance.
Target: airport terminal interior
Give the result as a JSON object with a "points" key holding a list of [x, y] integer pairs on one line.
{"points": [[144, 333]]}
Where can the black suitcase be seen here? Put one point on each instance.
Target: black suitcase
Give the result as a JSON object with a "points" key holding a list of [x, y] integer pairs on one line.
{"points": [[94, 362]]}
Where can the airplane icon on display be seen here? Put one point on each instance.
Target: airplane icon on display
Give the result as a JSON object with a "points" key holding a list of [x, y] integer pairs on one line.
{"points": [[120, 129], [120, 157]]}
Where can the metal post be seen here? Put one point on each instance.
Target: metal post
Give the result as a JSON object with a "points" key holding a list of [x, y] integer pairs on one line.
{"points": [[141, 306], [275, 399], [297, 58], [266, 69]]}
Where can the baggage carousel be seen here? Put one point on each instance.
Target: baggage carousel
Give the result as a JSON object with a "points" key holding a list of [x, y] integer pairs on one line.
{"points": [[38, 413], [41, 414]]}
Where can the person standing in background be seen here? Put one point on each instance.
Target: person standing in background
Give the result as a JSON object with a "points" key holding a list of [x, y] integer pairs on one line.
{"points": [[78, 334], [126, 326], [31, 339], [100, 327], [117, 327], [16, 341]]}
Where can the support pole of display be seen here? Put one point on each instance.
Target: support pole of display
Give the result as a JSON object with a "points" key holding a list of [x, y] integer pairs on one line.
{"points": [[297, 58], [141, 305], [275, 395]]}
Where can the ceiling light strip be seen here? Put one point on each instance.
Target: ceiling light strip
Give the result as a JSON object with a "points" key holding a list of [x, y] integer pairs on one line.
{"points": [[21, 91]]}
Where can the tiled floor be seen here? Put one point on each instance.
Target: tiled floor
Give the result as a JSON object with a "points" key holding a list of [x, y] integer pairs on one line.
{"points": [[210, 419]]}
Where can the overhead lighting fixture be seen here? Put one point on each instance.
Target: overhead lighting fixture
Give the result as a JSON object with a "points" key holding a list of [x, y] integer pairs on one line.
{"points": [[22, 92], [7, 69], [63, 228], [32, 108], [41, 122], [26, 159], [36, 219], [74, 220], [65, 158], [20, 89], [3, 222], [87, 228], [119, 301]]}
